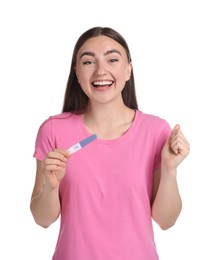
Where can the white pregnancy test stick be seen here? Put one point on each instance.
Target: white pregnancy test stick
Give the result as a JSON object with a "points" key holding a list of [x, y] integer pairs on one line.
{"points": [[82, 143]]}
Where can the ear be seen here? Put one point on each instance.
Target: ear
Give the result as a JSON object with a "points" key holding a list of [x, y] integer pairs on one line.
{"points": [[128, 71]]}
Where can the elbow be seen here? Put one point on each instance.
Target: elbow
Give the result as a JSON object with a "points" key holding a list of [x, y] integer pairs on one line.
{"points": [[165, 220], [43, 216], [40, 221], [166, 226], [165, 223], [43, 225]]}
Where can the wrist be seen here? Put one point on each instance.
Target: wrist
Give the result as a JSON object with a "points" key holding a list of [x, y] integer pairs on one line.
{"points": [[49, 189], [168, 171]]}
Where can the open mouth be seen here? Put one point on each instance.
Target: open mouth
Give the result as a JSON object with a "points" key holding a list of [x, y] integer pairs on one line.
{"points": [[100, 84]]}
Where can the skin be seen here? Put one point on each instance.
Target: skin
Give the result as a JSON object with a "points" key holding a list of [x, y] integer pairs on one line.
{"points": [[102, 60]]}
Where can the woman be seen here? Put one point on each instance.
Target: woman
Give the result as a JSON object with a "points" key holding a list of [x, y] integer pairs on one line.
{"points": [[108, 192]]}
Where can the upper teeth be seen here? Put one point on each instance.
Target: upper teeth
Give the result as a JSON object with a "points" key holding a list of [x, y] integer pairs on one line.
{"points": [[102, 83]]}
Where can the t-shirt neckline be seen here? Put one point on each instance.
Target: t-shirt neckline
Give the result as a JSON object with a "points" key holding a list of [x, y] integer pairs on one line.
{"points": [[123, 137]]}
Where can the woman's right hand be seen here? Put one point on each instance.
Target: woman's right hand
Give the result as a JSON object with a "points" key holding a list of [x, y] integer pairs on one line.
{"points": [[54, 167]]}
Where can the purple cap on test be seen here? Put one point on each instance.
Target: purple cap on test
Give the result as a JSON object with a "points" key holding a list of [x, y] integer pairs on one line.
{"points": [[88, 140]]}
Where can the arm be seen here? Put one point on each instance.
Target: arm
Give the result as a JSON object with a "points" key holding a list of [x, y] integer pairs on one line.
{"points": [[167, 203], [45, 203]]}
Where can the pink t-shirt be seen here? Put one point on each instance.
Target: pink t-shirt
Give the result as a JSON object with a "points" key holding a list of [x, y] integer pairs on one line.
{"points": [[106, 192]]}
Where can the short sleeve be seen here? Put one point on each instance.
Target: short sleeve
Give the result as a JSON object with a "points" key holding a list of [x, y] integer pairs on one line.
{"points": [[44, 140], [162, 137]]}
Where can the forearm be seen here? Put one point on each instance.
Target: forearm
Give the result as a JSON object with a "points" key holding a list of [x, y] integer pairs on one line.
{"points": [[167, 204], [45, 207]]}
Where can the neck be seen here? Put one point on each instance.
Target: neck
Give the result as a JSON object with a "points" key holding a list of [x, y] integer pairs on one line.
{"points": [[106, 113], [108, 120]]}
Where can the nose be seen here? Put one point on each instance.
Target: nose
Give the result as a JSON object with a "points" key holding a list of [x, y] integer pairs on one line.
{"points": [[101, 68]]}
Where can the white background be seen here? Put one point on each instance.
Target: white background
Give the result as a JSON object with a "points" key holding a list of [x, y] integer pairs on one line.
{"points": [[170, 48]]}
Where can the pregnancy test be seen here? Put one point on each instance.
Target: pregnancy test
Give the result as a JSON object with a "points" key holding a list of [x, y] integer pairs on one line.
{"points": [[82, 143]]}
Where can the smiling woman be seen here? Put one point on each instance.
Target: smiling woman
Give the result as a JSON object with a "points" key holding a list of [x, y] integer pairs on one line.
{"points": [[75, 99], [102, 66], [106, 193]]}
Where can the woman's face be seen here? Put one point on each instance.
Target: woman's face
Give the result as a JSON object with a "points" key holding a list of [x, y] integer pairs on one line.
{"points": [[102, 68]]}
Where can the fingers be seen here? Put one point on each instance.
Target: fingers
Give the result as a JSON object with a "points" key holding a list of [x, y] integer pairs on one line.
{"points": [[59, 153], [178, 142], [56, 159]]}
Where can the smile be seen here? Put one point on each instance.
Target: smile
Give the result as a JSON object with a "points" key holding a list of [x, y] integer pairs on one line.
{"points": [[105, 83]]}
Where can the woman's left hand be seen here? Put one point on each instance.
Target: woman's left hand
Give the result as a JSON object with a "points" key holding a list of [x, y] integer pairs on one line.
{"points": [[175, 149]]}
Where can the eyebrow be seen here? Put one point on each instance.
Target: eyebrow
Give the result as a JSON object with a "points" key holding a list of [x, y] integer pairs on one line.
{"points": [[89, 53]]}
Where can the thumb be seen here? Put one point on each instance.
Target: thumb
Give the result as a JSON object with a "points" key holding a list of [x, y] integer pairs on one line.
{"points": [[176, 127]]}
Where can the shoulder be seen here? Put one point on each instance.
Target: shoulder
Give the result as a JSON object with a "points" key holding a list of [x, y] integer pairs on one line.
{"points": [[59, 118], [154, 129], [62, 116], [152, 121], [57, 121], [152, 126]]}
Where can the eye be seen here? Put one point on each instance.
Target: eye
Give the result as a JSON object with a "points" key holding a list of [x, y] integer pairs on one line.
{"points": [[113, 60], [88, 62]]}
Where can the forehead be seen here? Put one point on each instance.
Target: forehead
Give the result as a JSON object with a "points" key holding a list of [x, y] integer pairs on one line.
{"points": [[101, 44]]}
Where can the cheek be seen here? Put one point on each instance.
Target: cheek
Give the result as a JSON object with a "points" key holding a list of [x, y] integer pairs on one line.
{"points": [[83, 81], [85, 88], [82, 76], [123, 74]]}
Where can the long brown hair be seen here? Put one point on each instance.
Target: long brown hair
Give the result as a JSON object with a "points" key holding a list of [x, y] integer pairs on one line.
{"points": [[75, 100]]}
